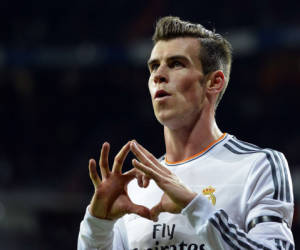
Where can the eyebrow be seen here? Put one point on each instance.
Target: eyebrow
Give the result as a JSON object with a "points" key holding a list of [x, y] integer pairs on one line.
{"points": [[171, 58]]}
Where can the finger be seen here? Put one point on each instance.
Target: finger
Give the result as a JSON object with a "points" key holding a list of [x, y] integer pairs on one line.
{"points": [[149, 155], [138, 152], [145, 181], [141, 156], [152, 157], [146, 152], [150, 173], [93, 173], [134, 173], [120, 158], [155, 211], [140, 210], [147, 158], [103, 162]]}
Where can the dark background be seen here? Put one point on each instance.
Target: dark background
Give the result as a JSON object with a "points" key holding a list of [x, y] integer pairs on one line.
{"points": [[73, 74]]}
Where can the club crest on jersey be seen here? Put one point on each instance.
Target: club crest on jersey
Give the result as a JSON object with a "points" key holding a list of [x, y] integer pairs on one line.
{"points": [[209, 191]]}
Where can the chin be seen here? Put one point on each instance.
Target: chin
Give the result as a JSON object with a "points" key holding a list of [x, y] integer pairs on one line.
{"points": [[176, 120], [170, 122]]}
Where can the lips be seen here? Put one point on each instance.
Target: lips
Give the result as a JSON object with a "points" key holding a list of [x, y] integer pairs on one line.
{"points": [[161, 93]]}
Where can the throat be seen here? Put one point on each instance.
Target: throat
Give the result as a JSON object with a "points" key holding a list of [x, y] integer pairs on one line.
{"points": [[181, 147]]}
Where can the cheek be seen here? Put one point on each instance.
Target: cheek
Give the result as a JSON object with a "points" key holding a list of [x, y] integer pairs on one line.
{"points": [[191, 91], [150, 87], [189, 86]]}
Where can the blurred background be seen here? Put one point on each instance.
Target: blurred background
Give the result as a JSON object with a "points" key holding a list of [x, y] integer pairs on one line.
{"points": [[73, 74]]}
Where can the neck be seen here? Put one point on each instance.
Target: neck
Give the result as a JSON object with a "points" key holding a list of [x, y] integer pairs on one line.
{"points": [[186, 141]]}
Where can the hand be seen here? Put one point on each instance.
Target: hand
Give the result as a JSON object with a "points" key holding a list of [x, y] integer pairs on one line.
{"points": [[110, 200], [176, 195]]}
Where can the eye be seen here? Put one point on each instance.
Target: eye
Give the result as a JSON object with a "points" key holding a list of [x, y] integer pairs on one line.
{"points": [[153, 67], [176, 64]]}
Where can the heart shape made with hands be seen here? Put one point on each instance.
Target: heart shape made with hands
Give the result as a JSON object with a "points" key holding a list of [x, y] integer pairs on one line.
{"points": [[175, 195], [147, 196], [150, 196], [111, 199]]}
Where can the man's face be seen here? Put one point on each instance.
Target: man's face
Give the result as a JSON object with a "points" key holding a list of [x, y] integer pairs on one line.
{"points": [[175, 82]]}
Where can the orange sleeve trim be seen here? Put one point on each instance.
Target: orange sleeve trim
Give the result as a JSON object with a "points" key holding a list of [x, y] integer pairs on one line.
{"points": [[195, 155]]}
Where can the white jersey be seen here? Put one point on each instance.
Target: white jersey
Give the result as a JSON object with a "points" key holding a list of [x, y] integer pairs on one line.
{"points": [[244, 201]]}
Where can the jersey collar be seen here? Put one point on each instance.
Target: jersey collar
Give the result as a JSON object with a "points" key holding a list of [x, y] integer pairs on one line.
{"points": [[201, 153]]}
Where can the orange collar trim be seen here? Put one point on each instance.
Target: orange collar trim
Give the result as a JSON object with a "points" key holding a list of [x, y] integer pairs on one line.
{"points": [[201, 152]]}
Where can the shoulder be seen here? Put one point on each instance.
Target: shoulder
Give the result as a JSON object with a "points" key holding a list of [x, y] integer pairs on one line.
{"points": [[249, 150], [268, 166]]}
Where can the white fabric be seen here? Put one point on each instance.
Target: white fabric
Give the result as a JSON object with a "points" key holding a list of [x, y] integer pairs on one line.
{"points": [[248, 182]]}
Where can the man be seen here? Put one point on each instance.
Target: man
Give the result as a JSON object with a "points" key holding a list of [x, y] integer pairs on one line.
{"points": [[210, 190]]}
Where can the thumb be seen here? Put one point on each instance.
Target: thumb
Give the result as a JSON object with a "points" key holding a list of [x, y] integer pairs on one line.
{"points": [[155, 211], [139, 210]]}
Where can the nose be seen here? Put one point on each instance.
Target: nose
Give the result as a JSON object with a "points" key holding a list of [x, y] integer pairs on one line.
{"points": [[161, 75]]}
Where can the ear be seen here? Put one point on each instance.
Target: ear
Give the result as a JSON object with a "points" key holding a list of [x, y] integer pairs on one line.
{"points": [[216, 82]]}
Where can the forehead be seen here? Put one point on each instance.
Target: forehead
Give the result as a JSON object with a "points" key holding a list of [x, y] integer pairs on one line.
{"points": [[185, 46]]}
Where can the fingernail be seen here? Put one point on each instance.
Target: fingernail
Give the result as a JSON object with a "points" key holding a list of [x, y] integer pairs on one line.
{"points": [[134, 141]]}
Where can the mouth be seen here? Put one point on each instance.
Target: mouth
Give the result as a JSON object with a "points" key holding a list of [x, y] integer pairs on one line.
{"points": [[161, 94]]}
